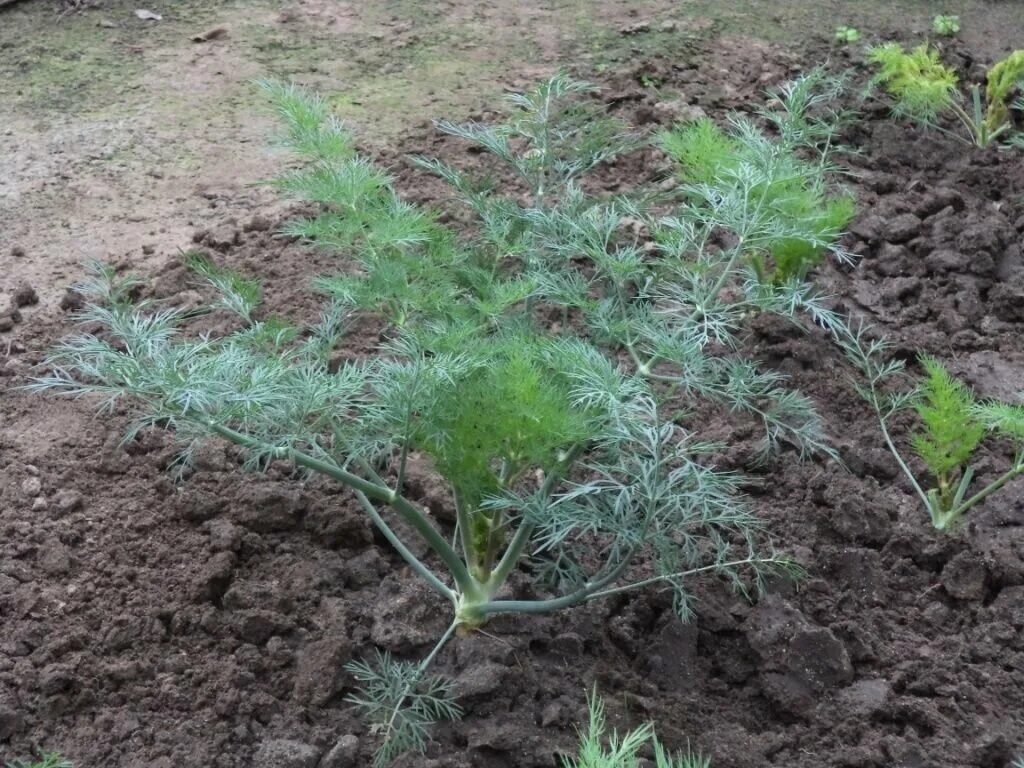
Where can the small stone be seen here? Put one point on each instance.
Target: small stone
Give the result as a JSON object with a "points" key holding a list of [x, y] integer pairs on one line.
{"points": [[24, 295], [31, 486], [148, 249], [283, 753], [343, 754], [39, 504], [18, 252]]}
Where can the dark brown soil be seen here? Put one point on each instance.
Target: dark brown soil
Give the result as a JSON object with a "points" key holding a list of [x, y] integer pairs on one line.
{"points": [[146, 623]]}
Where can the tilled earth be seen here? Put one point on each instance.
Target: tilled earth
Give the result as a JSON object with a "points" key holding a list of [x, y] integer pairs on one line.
{"points": [[149, 623]]}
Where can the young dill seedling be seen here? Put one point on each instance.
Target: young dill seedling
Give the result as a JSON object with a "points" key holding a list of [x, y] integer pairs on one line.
{"points": [[951, 432], [952, 426], [600, 749], [847, 35], [946, 25], [925, 89], [553, 448], [46, 760]]}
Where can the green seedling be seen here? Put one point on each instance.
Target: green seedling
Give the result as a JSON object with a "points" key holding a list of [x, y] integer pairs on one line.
{"points": [[847, 35], [924, 90], [946, 25], [799, 214], [46, 760], [649, 81], [952, 425], [536, 362], [600, 749]]}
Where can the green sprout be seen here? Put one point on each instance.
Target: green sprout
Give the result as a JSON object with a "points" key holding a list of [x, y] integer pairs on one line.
{"points": [[952, 426], [599, 749], [946, 25], [536, 360], [847, 35], [925, 89], [46, 760]]}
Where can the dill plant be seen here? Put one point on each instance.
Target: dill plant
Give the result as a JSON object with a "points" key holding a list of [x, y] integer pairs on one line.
{"points": [[600, 749], [952, 425], [794, 194], [539, 360], [846, 35], [924, 89], [946, 25]]}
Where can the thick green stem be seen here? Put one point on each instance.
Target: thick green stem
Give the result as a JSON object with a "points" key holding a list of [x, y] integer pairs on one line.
{"points": [[944, 520], [524, 533], [895, 452], [413, 561], [400, 504], [581, 595]]}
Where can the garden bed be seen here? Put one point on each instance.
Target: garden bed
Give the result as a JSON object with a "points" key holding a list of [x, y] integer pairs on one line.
{"points": [[206, 623]]}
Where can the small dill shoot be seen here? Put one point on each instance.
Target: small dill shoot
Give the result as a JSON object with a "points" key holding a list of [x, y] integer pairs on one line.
{"points": [[946, 25], [46, 760], [951, 430], [924, 90], [600, 749], [953, 424], [401, 703], [847, 35]]}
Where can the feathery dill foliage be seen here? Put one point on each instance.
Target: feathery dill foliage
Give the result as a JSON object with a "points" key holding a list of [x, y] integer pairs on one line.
{"points": [[953, 425], [599, 749], [401, 702], [924, 89], [792, 198], [554, 448], [946, 25], [952, 431], [46, 760]]}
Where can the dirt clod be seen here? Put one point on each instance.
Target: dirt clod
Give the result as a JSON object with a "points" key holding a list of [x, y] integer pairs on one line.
{"points": [[24, 295], [281, 753]]}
